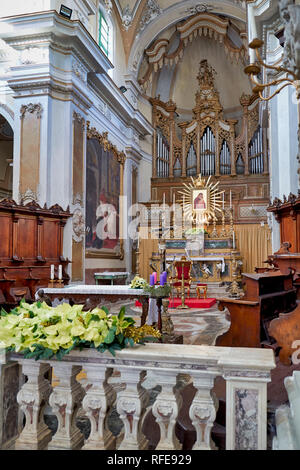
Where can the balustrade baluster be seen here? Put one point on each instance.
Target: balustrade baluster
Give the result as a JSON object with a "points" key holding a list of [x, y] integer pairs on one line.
{"points": [[32, 398], [131, 406], [97, 402], [203, 410], [65, 401], [165, 410]]}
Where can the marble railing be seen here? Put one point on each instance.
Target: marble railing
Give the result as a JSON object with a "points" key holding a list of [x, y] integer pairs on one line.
{"points": [[119, 381], [288, 417]]}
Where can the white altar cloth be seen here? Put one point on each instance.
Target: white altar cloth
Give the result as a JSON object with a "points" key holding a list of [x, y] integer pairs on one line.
{"points": [[152, 312], [90, 289]]}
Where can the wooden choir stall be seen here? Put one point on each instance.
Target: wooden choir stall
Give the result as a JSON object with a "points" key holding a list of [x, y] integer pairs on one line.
{"points": [[31, 241]]}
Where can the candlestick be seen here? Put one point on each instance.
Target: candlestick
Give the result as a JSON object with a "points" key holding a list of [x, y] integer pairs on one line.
{"points": [[52, 272], [60, 272]]}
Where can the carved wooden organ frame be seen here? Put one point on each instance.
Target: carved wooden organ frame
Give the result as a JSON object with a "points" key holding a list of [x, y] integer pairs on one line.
{"points": [[207, 138]]}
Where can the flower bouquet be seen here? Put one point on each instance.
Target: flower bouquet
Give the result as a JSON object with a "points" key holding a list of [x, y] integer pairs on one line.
{"points": [[42, 332], [138, 283]]}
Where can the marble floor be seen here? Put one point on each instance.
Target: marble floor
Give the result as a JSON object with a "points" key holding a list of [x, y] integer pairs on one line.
{"points": [[197, 326]]}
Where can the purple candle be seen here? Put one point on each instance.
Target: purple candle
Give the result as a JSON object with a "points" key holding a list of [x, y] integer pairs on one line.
{"points": [[165, 276], [152, 282], [162, 279]]}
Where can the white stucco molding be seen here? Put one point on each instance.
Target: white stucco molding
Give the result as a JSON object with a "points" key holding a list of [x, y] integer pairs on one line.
{"points": [[72, 34], [171, 16]]}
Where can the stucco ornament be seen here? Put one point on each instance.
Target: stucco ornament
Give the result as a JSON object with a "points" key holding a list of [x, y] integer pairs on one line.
{"points": [[127, 17], [78, 224], [152, 11]]}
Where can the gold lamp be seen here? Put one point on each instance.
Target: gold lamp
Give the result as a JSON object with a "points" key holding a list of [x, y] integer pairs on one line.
{"points": [[254, 69]]}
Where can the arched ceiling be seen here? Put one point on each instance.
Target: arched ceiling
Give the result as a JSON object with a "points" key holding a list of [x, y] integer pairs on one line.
{"points": [[144, 20]]}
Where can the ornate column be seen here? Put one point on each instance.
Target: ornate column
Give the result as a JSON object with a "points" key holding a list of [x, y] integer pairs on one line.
{"points": [[203, 410], [166, 408], [99, 397], [131, 406], [32, 399], [65, 401]]}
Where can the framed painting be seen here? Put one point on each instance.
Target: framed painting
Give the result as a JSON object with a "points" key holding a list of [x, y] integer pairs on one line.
{"points": [[200, 201], [104, 186]]}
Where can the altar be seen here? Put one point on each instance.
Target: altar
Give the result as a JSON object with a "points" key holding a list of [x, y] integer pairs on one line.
{"points": [[205, 241], [91, 296]]}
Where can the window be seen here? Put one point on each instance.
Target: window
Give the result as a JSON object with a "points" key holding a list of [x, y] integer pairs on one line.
{"points": [[103, 33]]}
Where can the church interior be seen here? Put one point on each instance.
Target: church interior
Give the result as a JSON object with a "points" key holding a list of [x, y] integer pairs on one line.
{"points": [[150, 225]]}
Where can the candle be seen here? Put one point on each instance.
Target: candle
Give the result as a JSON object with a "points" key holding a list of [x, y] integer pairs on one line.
{"points": [[155, 277], [174, 202], [162, 279], [52, 272], [233, 239], [165, 276], [223, 200], [60, 272], [151, 280], [230, 200], [164, 199]]}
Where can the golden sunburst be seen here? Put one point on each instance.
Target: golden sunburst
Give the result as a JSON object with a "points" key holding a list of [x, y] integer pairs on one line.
{"points": [[204, 210]]}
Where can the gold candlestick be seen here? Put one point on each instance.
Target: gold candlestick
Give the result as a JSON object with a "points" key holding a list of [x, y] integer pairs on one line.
{"points": [[231, 229], [183, 305], [223, 233], [214, 233]]}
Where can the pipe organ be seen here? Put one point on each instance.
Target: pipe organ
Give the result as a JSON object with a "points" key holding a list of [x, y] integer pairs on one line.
{"points": [[208, 145]]}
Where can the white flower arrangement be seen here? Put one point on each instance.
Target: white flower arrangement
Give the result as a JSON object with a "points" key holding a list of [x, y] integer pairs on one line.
{"points": [[138, 283]]}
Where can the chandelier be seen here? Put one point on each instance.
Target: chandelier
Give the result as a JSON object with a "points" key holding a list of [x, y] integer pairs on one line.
{"points": [[254, 69]]}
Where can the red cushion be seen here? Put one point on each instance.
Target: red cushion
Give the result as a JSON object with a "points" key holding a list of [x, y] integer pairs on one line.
{"points": [[178, 284], [204, 285]]}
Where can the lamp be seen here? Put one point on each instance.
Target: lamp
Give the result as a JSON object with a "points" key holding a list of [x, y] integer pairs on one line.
{"points": [[254, 69], [123, 89], [65, 12]]}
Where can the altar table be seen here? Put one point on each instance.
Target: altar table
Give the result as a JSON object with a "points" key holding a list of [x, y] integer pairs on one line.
{"points": [[92, 296]]}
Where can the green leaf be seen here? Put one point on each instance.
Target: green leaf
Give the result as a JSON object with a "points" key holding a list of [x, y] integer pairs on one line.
{"points": [[131, 342], [105, 309], [122, 313], [110, 336], [112, 351], [38, 304], [46, 354], [120, 338], [3, 313]]}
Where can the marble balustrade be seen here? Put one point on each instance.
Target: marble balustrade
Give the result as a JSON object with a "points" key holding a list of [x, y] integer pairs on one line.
{"points": [[119, 381]]}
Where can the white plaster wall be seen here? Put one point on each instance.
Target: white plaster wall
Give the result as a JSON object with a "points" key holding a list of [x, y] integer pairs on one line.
{"points": [[283, 150], [230, 80], [144, 181]]}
